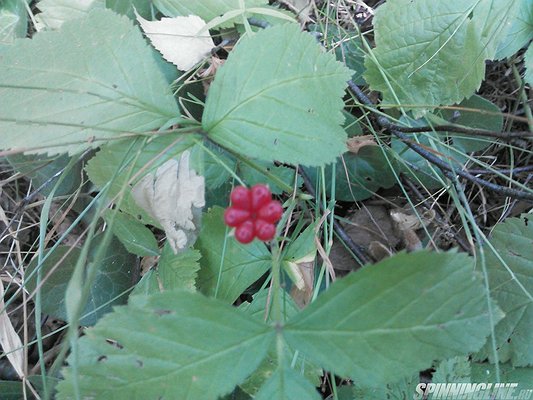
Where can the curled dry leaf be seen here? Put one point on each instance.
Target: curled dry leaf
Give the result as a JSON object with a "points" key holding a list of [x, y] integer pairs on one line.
{"points": [[407, 223], [9, 340], [178, 39], [174, 196], [357, 142]]}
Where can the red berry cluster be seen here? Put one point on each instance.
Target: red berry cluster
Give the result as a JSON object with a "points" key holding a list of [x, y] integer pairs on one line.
{"points": [[253, 213]]}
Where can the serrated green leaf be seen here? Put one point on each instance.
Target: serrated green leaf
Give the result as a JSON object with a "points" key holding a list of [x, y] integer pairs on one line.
{"points": [[347, 46], [520, 31], [227, 266], [455, 369], [13, 20], [55, 12], [286, 384], [175, 345], [512, 288], [136, 237], [279, 97], [528, 64], [418, 44], [112, 280], [205, 9], [392, 319], [178, 271], [146, 158], [257, 309], [92, 74], [173, 272]]}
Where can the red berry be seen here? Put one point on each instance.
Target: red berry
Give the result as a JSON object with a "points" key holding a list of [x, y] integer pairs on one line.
{"points": [[245, 232], [240, 197], [260, 195], [271, 212], [264, 231], [234, 217]]}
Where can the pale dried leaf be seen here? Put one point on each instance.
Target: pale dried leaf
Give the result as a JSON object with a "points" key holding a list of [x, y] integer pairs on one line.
{"points": [[407, 223], [9, 340], [302, 294], [357, 142], [178, 39], [173, 196]]}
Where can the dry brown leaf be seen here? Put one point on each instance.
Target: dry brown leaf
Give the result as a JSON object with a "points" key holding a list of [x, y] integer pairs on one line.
{"points": [[408, 223], [178, 39], [303, 292], [357, 142], [173, 196], [9, 340]]}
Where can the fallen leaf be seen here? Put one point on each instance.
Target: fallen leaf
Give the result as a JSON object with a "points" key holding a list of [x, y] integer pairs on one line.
{"points": [[302, 291], [178, 39], [407, 223], [9, 340], [173, 196], [355, 143]]}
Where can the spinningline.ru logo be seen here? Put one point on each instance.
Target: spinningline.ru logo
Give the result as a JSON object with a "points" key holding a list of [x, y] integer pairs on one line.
{"points": [[476, 391]]}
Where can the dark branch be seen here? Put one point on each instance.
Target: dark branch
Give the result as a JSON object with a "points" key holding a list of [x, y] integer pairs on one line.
{"points": [[447, 169]]}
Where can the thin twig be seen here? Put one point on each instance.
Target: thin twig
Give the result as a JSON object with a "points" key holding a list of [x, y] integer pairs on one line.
{"points": [[448, 170]]}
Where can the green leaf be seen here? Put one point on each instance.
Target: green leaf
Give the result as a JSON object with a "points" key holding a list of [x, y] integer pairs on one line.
{"points": [[178, 271], [14, 390], [418, 44], [139, 157], [205, 9], [455, 369], [92, 74], [113, 279], [358, 176], [257, 309], [175, 345], [279, 97], [216, 163], [126, 7], [42, 169], [478, 113], [391, 320], [348, 48], [303, 247], [512, 287], [136, 237], [494, 19], [286, 384], [485, 372], [13, 20], [402, 389], [520, 32], [251, 176], [55, 12], [528, 64], [227, 266]]}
